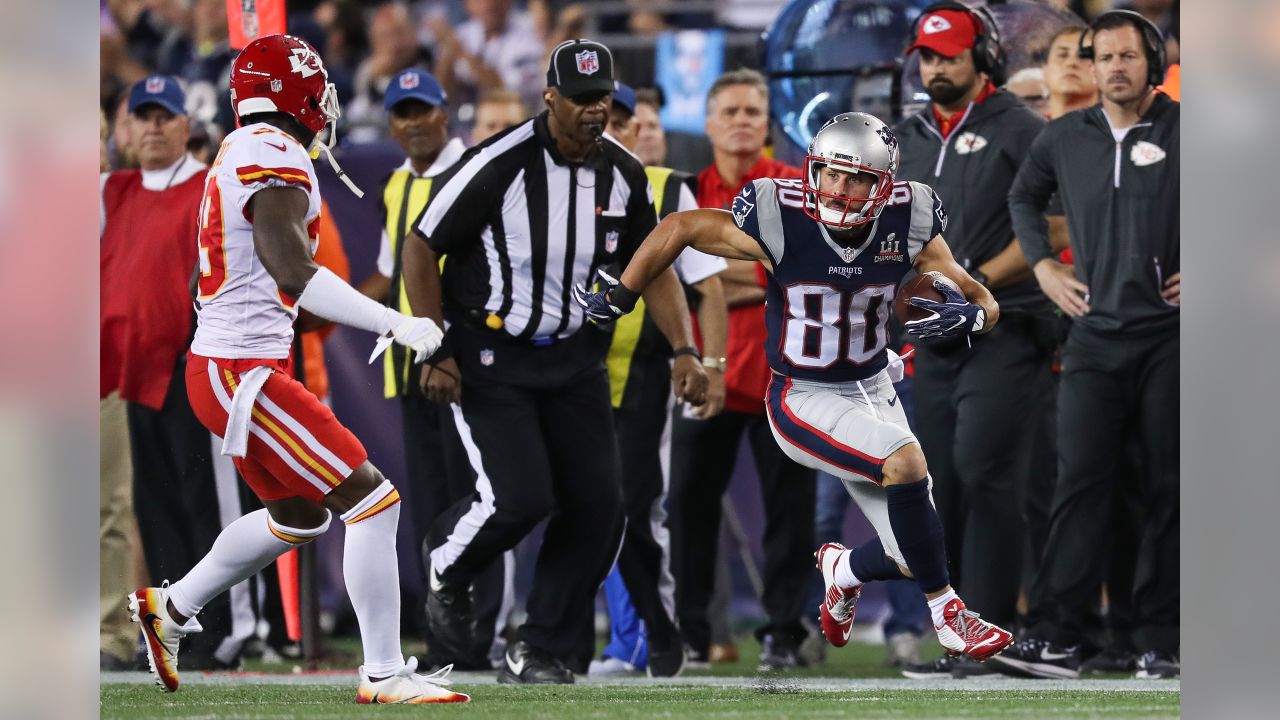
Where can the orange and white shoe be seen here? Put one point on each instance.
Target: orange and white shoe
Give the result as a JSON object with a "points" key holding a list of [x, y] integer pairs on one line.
{"points": [[149, 608], [962, 632], [409, 688], [839, 603]]}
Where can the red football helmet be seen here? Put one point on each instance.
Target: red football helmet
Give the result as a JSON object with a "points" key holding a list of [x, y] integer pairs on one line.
{"points": [[281, 73]]}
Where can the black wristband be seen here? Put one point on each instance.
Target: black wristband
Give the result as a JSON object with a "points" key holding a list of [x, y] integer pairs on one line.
{"points": [[687, 350], [979, 276], [442, 353], [623, 298]]}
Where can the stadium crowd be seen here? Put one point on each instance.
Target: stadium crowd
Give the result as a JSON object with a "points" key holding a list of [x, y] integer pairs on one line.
{"points": [[419, 83]]}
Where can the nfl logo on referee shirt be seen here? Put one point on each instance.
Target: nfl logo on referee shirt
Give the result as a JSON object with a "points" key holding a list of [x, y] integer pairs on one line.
{"points": [[486, 357], [611, 241], [588, 62]]}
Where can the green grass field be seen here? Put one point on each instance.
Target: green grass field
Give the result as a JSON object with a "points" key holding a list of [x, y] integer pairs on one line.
{"points": [[853, 683]]}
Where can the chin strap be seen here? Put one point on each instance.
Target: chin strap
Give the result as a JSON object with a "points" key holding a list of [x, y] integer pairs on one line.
{"points": [[318, 147]]}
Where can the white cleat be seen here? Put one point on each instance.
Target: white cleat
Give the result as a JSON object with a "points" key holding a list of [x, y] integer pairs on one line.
{"points": [[409, 688], [149, 608]]}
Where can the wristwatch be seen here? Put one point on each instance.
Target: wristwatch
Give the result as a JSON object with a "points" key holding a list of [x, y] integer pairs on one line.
{"points": [[715, 363]]}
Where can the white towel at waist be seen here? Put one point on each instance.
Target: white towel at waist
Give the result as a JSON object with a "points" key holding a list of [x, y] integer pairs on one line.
{"points": [[235, 441]]}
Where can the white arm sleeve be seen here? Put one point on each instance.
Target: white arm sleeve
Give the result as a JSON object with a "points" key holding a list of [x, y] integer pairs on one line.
{"points": [[330, 297]]}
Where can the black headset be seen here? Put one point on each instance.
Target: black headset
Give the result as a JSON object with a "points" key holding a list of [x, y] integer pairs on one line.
{"points": [[1152, 38], [988, 54]]}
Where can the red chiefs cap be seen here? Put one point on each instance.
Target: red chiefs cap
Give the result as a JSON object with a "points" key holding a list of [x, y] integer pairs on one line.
{"points": [[946, 32]]}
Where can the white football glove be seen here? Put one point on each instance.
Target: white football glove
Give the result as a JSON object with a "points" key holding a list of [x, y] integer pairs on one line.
{"points": [[419, 334]]}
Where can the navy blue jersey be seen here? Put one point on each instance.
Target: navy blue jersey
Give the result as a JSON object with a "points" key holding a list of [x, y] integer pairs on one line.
{"points": [[827, 307]]}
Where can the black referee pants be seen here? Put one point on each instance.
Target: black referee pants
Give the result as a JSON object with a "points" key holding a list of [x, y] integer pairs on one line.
{"points": [[977, 410], [538, 428], [439, 475], [176, 502], [1115, 388], [703, 454], [644, 441]]}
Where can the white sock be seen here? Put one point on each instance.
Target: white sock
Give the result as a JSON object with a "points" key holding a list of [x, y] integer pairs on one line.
{"points": [[242, 549], [938, 604], [369, 566], [843, 574]]}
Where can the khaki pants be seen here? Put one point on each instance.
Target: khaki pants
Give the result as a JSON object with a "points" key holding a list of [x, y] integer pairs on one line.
{"points": [[117, 530]]}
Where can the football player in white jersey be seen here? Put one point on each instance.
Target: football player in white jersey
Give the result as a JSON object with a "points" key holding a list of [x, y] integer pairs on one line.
{"points": [[258, 223], [836, 245]]}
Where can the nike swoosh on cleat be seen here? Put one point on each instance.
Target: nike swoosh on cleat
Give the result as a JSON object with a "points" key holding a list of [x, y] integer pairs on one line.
{"points": [[989, 641], [848, 631], [516, 668], [149, 623]]}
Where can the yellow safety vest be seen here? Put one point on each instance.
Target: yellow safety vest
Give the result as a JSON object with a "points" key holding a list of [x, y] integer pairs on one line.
{"points": [[403, 198]]}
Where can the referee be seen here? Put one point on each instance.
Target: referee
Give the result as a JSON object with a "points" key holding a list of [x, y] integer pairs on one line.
{"points": [[523, 218]]}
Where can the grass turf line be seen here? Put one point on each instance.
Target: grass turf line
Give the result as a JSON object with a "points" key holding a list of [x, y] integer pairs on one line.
{"points": [[529, 703]]}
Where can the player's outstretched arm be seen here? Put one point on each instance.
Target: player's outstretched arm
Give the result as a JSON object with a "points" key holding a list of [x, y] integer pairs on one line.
{"points": [[936, 256], [711, 231], [280, 242]]}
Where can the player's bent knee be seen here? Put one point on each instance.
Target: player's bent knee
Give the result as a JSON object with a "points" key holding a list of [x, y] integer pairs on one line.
{"points": [[357, 487], [383, 499], [300, 535], [905, 465]]}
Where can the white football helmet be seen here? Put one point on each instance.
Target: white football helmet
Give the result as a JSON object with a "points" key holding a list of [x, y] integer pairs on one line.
{"points": [[852, 142]]}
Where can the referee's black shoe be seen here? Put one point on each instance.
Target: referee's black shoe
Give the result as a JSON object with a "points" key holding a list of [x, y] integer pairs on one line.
{"points": [[524, 664], [1035, 658], [449, 615]]}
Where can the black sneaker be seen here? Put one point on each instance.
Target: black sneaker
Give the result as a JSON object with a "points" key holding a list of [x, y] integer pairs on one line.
{"points": [[778, 655], [667, 663], [1034, 658], [963, 667], [1111, 660], [940, 668], [1158, 665], [449, 616], [526, 665]]}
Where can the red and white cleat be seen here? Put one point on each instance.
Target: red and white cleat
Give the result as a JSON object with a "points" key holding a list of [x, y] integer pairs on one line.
{"points": [[148, 607], [839, 604], [962, 632], [409, 688]]}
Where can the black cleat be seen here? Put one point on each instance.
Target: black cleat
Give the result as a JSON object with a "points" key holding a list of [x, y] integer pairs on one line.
{"points": [[526, 665], [1034, 658], [1110, 660], [1158, 665], [778, 654], [940, 668], [964, 667], [449, 616], [668, 663]]}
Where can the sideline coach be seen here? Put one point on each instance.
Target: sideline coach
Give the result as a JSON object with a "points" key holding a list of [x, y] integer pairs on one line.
{"points": [[1115, 166], [524, 217]]}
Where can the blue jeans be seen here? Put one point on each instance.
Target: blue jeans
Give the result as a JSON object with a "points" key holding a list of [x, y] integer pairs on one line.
{"points": [[908, 611], [626, 630]]}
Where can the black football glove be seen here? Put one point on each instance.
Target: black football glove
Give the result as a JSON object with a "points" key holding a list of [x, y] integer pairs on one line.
{"points": [[954, 317]]}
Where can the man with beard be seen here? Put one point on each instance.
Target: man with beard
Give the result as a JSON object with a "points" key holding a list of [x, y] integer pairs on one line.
{"points": [[1118, 164], [978, 401]]}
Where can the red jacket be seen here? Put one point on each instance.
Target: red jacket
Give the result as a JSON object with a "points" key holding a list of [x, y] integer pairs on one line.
{"points": [[148, 254], [747, 376]]}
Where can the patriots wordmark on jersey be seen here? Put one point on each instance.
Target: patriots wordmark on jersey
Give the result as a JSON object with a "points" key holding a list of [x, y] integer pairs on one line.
{"points": [[828, 303]]}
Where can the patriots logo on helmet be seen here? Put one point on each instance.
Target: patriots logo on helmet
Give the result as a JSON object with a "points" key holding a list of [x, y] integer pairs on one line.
{"points": [[588, 62], [887, 136]]}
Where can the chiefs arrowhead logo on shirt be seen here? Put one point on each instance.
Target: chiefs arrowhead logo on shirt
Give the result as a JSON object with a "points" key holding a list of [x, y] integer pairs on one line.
{"points": [[1145, 153], [936, 24], [969, 143]]}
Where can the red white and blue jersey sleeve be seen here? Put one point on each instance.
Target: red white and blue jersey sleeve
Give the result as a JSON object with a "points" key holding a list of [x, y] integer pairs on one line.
{"points": [[928, 218], [757, 212]]}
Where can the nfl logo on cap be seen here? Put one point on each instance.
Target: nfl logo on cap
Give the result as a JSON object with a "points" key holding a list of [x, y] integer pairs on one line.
{"points": [[155, 85], [588, 62], [408, 81]]}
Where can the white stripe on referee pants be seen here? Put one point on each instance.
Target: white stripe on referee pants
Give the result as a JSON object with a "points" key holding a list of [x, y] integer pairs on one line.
{"points": [[481, 510], [658, 518]]}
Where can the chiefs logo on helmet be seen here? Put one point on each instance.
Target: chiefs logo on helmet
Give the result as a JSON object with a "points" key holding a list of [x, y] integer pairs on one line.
{"points": [[284, 74]]}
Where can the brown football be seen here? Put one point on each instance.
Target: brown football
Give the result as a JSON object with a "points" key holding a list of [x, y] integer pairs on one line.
{"points": [[920, 286]]}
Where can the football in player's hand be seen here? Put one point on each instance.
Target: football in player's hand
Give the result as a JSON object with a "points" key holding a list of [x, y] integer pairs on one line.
{"points": [[920, 286]]}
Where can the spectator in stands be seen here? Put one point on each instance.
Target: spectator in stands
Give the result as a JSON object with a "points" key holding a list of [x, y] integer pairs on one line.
{"points": [[203, 60], [496, 110], [496, 47], [703, 450], [344, 43], [148, 222], [393, 46]]}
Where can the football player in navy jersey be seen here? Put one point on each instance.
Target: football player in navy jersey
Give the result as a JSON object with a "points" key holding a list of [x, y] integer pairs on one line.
{"points": [[837, 244]]}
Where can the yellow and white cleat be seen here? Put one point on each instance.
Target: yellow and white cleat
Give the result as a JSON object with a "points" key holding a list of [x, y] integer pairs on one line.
{"points": [[149, 607], [409, 688]]}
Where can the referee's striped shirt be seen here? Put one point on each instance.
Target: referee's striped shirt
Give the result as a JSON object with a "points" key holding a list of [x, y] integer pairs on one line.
{"points": [[521, 226]]}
